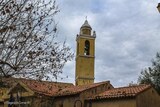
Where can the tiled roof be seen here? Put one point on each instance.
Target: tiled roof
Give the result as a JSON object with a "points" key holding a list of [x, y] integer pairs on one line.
{"points": [[122, 92], [45, 87], [78, 89], [53, 88], [40, 87]]}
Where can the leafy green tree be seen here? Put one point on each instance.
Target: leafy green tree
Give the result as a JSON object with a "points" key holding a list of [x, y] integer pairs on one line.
{"points": [[151, 75], [28, 47]]}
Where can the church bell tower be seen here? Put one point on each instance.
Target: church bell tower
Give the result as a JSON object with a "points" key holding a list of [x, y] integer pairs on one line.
{"points": [[85, 55]]}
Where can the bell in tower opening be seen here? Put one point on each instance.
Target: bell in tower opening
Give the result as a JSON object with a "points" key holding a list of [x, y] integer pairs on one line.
{"points": [[85, 55], [86, 48]]}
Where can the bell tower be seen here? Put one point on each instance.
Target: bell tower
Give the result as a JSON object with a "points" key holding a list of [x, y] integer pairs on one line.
{"points": [[85, 55]]}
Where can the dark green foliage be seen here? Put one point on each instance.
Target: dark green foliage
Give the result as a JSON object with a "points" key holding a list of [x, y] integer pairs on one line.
{"points": [[151, 75]]}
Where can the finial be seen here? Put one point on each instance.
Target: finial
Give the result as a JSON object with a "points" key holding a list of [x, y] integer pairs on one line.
{"points": [[94, 33], [86, 17]]}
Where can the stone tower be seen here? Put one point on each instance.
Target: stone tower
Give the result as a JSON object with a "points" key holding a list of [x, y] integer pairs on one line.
{"points": [[85, 55]]}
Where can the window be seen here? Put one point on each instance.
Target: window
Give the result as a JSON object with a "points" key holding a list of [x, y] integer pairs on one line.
{"points": [[86, 48]]}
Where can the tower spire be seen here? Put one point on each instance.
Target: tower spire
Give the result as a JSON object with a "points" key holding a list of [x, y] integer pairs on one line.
{"points": [[85, 28]]}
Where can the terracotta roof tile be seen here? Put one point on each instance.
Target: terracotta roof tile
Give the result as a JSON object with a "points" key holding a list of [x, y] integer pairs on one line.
{"points": [[121, 92], [40, 87], [78, 89], [44, 87], [53, 88]]}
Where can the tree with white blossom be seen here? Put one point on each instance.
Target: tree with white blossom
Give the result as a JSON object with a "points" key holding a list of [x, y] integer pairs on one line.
{"points": [[28, 47]]}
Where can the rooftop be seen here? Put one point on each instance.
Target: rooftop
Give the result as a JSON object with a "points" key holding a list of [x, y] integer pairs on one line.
{"points": [[52, 88], [40, 87], [122, 92], [78, 89]]}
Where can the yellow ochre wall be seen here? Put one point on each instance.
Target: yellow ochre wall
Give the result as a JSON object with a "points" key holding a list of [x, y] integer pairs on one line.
{"points": [[81, 41], [148, 98], [85, 63], [69, 101], [113, 103]]}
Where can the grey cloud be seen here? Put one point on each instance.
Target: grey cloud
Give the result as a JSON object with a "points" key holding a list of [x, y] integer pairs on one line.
{"points": [[127, 36]]}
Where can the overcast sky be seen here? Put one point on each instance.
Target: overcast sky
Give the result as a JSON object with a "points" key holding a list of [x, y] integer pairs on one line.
{"points": [[128, 36]]}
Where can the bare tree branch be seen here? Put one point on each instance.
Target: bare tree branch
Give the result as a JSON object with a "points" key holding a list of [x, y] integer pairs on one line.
{"points": [[28, 47]]}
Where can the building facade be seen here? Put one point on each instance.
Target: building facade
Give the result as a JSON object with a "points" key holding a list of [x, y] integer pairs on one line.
{"points": [[32, 93], [130, 96], [85, 55]]}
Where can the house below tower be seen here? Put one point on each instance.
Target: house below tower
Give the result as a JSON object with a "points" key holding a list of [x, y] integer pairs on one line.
{"points": [[32, 93]]}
